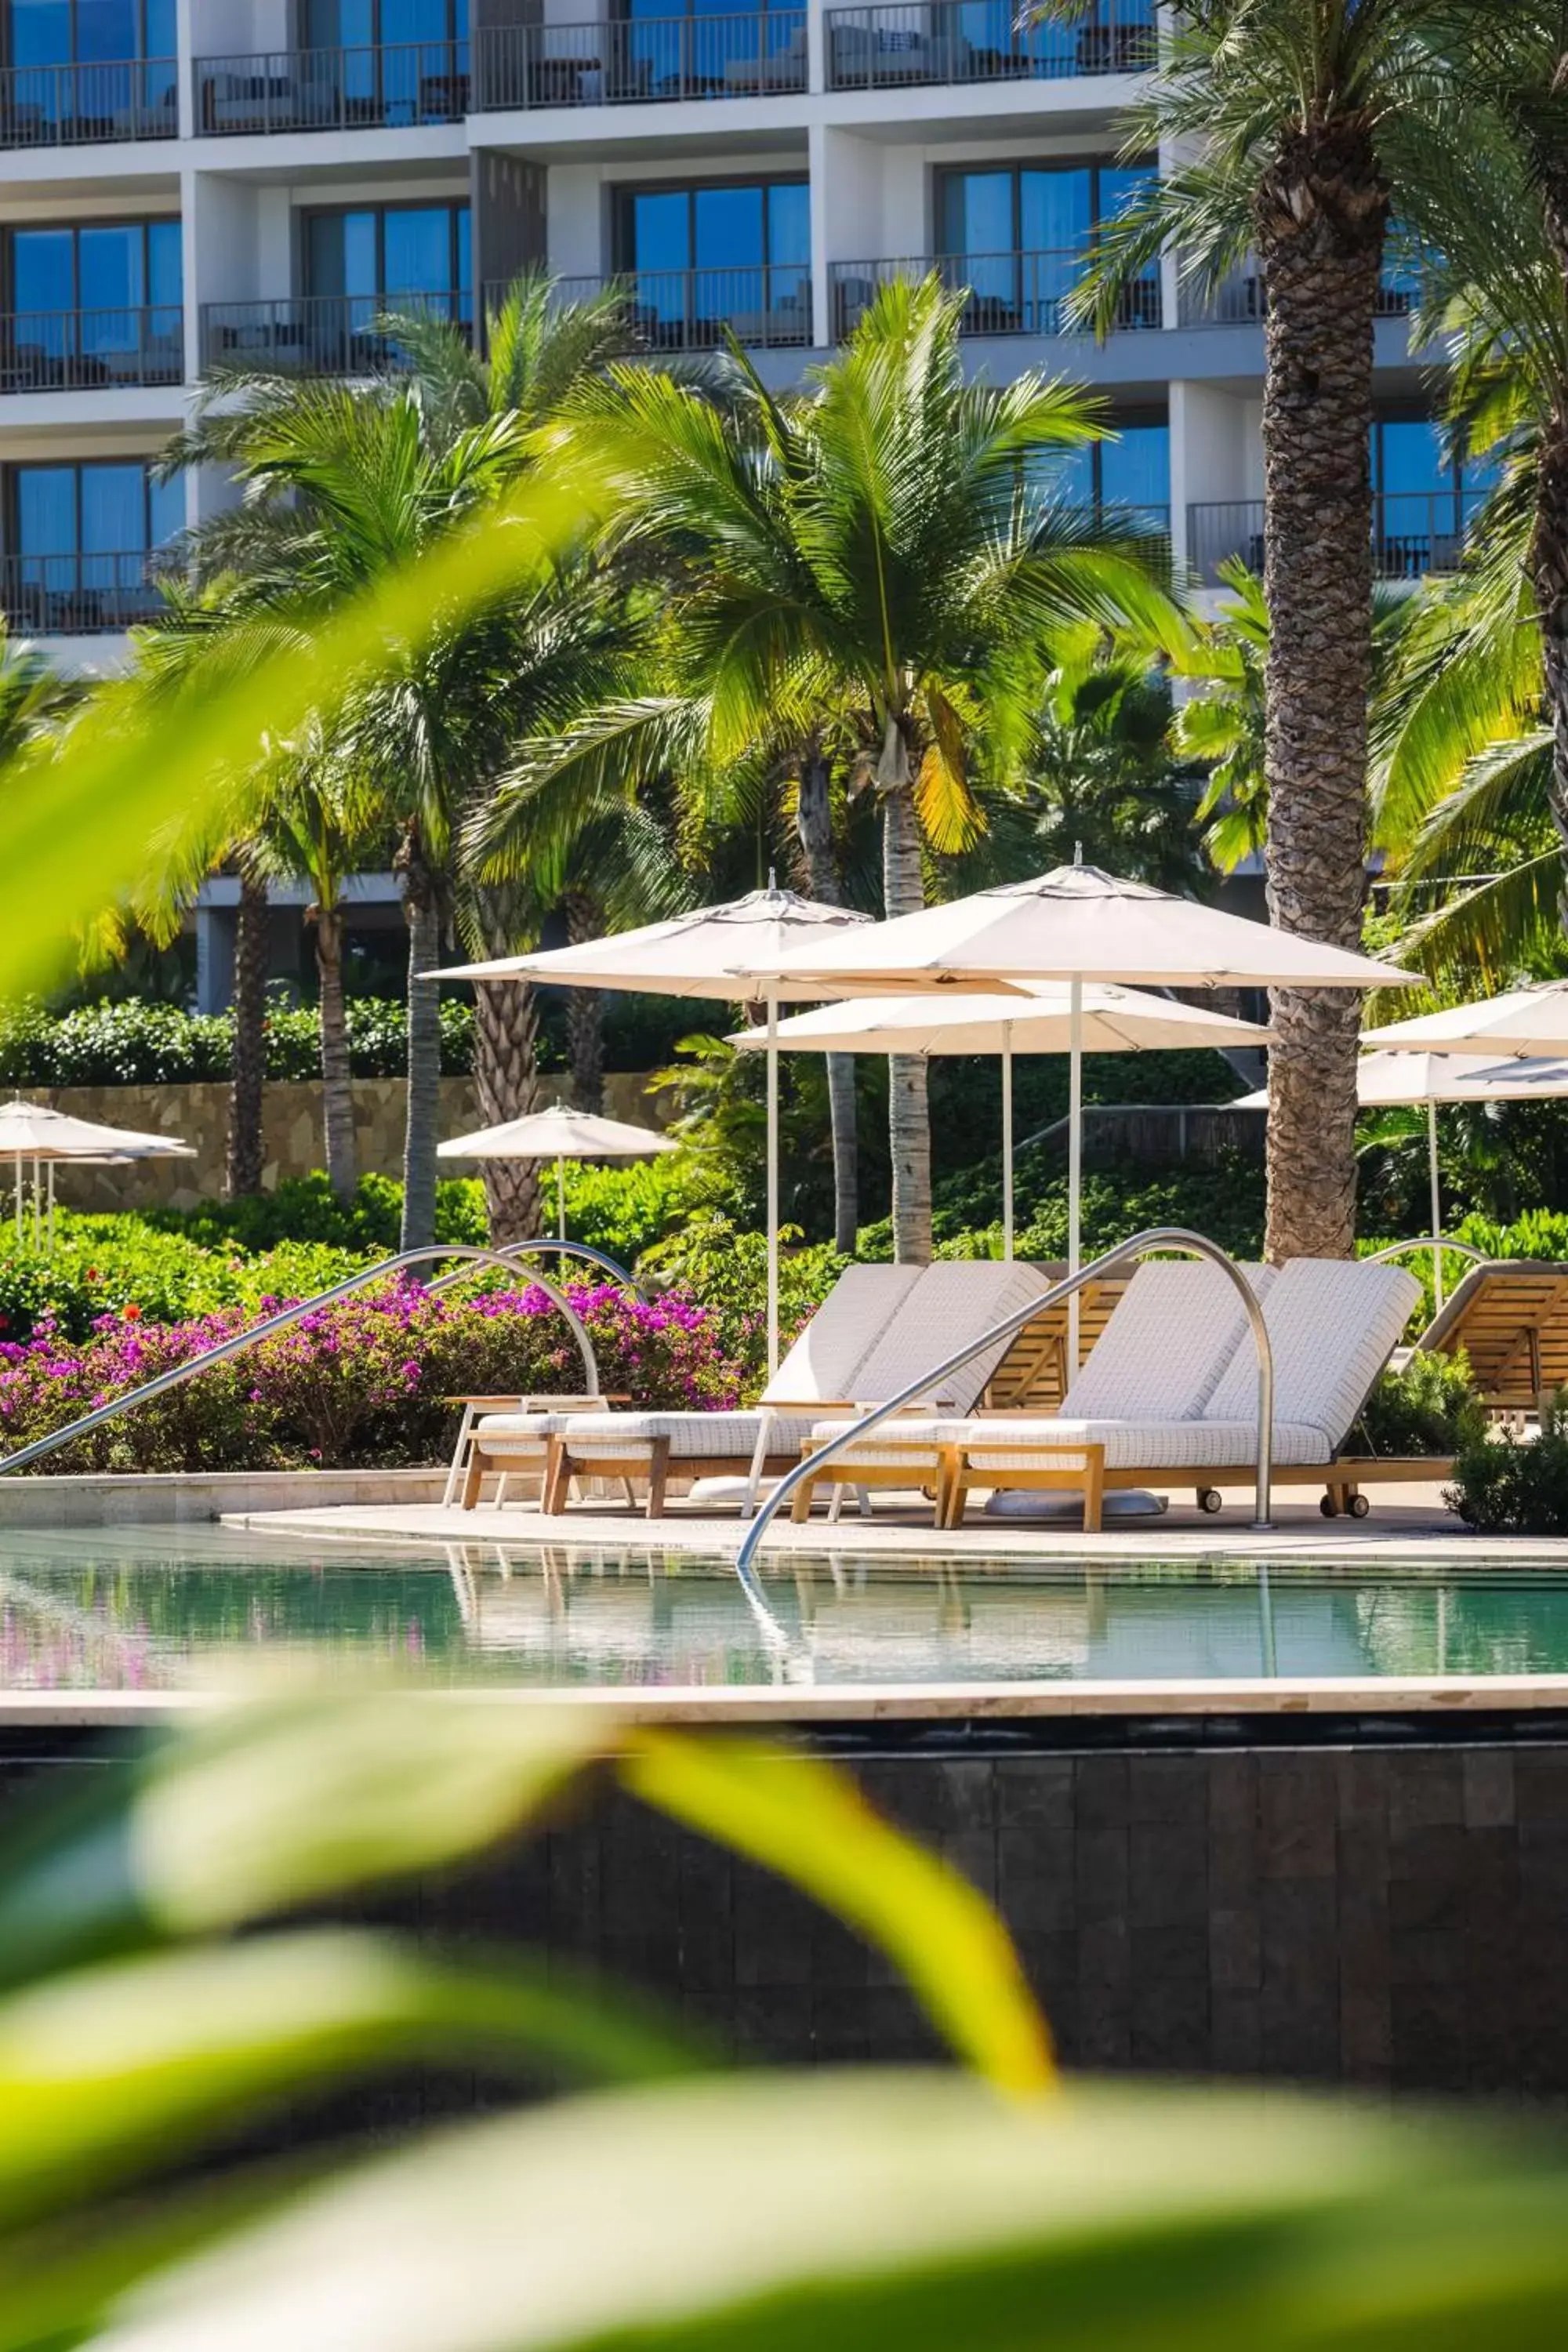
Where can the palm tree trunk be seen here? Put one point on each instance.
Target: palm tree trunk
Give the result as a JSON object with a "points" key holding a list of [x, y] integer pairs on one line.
{"points": [[422, 912], [814, 825], [506, 1075], [337, 1091], [246, 1151], [908, 1118], [1321, 214], [585, 1008]]}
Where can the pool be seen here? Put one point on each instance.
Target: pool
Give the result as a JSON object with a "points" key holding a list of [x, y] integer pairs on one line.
{"points": [[151, 1609]]}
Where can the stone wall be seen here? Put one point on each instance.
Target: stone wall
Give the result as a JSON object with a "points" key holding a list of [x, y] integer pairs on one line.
{"points": [[292, 1122]]}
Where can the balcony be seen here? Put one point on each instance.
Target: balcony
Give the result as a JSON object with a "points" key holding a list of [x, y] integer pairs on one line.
{"points": [[79, 595], [767, 305], [89, 105], [1008, 293], [321, 335], [648, 61], [89, 350], [387, 86], [913, 42], [1239, 300], [1414, 532]]}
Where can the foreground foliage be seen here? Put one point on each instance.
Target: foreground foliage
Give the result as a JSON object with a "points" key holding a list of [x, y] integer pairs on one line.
{"points": [[1507, 1485]]}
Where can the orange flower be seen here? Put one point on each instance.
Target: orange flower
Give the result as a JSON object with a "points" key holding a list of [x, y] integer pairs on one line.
{"points": [[132, 1314]]}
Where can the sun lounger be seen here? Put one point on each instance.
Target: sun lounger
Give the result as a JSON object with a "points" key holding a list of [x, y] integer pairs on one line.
{"points": [[861, 1353], [1511, 1320], [1332, 1326]]}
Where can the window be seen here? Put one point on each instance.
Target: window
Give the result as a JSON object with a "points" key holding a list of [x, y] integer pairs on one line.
{"points": [[95, 302], [1423, 497], [707, 49], [1130, 475], [391, 61], [88, 32], [1017, 234], [735, 254], [387, 257], [82, 536]]}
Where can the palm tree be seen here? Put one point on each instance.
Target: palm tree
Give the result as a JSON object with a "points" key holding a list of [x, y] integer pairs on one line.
{"points": [[878, 551], [1307, 123]]}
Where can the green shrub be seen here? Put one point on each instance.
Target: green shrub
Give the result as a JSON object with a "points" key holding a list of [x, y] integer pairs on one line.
{"points": [[306, 1209], [726, 1273], [1429, 1407], [629, 1207], [137, 1043], [1505, 1484]]}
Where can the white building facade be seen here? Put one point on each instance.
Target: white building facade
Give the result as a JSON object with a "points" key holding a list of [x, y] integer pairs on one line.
{"points": [[184, 182]]}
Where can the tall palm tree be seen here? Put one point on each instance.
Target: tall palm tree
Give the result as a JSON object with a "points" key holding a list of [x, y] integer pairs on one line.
{"points": [[1305, 124], [878, 549]]}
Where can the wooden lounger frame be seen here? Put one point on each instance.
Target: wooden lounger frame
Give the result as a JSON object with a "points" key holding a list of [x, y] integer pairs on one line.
{"points": [[1510, 1317]]}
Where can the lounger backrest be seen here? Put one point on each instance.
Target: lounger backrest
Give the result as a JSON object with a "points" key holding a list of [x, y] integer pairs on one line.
{"points": [[1162, 1353], [1332, 1325], [954, 1300], [820, 1366], [1511, 1320]]}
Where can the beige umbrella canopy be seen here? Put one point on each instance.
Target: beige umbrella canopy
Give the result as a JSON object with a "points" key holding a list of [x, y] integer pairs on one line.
{"points": [[36, 1132], [1036, 1018], [1078, 924], [728, 951], [560, 1134], [1525, 1020]]}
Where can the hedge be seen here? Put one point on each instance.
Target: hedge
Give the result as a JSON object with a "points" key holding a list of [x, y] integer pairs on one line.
{"points": [[136, 1044]]}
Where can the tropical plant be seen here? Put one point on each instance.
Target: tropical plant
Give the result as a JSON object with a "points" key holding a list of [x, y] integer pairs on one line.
{"points": [[1299, 127], [881, 553]]}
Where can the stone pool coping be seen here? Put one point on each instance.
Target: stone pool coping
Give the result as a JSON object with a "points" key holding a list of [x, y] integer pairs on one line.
{"points": [[130, 1498], [793, 1705]]}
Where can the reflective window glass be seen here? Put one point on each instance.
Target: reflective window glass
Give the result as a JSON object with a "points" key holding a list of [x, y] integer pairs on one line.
{"points": [[113, 509], [43, 269], [789, 222], [165, 273], [106, 30], [661, 230], [727, 228], [1056, 210], [977, 213], [45, 509], [40, 32], [1135, 469], [167, 511], [111, 269]]}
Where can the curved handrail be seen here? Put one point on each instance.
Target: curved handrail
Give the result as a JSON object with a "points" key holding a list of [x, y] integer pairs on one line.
{"points": [[1159, 1237], [585, 1250], [239, 1340], [1427, 1241]]}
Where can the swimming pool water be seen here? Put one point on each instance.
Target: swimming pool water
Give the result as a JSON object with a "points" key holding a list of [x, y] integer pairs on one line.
{"points": [[151, 1608]]}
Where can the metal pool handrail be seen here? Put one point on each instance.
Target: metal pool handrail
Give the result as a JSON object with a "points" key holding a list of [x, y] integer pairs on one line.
{"points": [[1159, 1237], [583, 1250], [239, 1340], [1427, 1241]]}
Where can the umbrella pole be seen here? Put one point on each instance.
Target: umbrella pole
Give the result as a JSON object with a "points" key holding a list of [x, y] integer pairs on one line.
{"points": [[1074, 1157], [1007, 1140], [1437, 1207], [19, 1176], [51, 1224], [560, 1196], [772, 1182], [38, 1210]]}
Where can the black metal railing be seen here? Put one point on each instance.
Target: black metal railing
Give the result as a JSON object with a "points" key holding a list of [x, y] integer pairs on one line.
{"points": [[1414, 532], [1239, 300], [640, 62], [321, 334], [79, 594], [1009, 293], [767, 305], [386, 84], [76, 350], [888, 47], [89, 105]]}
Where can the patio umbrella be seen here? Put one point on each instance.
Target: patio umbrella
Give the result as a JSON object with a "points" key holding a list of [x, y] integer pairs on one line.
{"points": [[37, 1132], [1078, 924], [1385, 1080], [560, 1134], [728, 951], [1525, 1020], [1037, 1019]]}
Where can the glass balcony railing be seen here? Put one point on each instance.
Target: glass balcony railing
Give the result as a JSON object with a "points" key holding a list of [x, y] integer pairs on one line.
{"points": [[391, 84], [1009, 293], [80, 594], [80, 351], [640, 62], [321, 335], [1414, 532], [908, 41], [89, 105], [765, 304]]}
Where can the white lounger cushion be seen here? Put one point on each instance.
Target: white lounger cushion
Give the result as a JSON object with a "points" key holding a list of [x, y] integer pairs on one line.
{"points": [[889, 1447], [609, 1437], [517, 1433], [954, 1302], [1332, 1325], [822, 1365], [1161, 1355], [1019, 1442]]}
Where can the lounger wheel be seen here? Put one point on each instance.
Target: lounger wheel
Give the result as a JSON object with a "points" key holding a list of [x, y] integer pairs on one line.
{"points": [[1328, 1507], [1210, 1500], [1358, 1506]]}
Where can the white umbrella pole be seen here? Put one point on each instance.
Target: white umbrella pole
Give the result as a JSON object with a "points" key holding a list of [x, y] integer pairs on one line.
{"points": [[772, 1182], [37, 1210], [560, 1197], [1007, 1140], [1074, 1157], [19, 1176], [51, 1227], [1437, 1206]]}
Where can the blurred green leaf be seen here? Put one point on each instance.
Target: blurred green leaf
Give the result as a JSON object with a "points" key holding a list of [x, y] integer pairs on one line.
{"points": [[116, 2068], [859, 2211], [809, 1822]]}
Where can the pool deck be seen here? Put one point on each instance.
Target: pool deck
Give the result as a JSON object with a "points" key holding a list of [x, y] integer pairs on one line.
{"points": [[1415, 1528]]}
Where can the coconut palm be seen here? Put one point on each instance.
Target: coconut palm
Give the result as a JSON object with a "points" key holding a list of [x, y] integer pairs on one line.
{"points": [[1302, 126], [877, 550]]}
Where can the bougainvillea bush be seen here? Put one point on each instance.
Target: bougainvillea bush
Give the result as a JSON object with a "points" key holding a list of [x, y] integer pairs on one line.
{"points": [[361, 1385]]}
